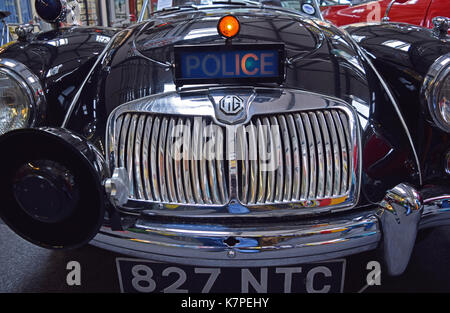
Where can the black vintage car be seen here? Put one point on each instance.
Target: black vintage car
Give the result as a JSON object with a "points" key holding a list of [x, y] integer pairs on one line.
{"points": [[232, 133]]}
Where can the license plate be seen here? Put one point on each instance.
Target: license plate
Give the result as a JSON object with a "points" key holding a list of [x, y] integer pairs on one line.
{"points": [[229, 63], [148, 276]]}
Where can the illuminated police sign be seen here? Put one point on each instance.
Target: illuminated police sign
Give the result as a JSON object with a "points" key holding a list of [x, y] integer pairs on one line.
{"points": [[212, 64]]}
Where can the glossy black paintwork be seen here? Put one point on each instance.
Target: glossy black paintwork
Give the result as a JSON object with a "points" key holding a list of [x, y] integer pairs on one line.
{"points": [[320, 58], [404, 71], [61, 59]]}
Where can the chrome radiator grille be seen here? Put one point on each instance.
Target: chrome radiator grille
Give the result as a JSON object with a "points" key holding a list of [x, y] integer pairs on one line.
{"points": [[162, 169], [311, 157], [280, 158]]}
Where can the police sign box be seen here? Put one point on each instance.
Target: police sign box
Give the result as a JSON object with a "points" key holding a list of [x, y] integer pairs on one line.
{"points": [[229, 63]]}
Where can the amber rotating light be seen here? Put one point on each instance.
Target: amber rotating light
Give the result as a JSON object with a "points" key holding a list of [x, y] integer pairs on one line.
{"points": [[228, 26]]}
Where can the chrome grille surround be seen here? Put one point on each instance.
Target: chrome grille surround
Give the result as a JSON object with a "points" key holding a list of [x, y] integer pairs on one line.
{"points": [[316, 139]]}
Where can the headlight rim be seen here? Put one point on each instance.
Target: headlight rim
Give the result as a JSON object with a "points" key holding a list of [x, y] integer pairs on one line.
{"points": [[438, 72], [31, 86]]}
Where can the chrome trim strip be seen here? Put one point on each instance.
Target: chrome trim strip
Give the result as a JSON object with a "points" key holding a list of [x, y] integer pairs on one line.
{"points": [[267, 245]]}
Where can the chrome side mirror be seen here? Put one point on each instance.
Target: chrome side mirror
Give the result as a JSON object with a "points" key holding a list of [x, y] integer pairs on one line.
{"points": [[388, 9]]}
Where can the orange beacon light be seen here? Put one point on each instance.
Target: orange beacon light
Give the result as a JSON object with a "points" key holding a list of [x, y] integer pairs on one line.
{"points": [[228, 26]]}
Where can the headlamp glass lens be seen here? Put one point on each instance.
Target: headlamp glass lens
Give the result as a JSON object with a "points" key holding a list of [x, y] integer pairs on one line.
{"points": [[14, 104]]}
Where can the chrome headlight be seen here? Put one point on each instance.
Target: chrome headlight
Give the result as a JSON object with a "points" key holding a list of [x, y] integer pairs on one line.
{"points": [[21, 96], [437, 92]]}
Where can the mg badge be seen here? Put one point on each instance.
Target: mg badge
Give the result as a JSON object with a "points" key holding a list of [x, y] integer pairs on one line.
{"points": [[231, 104]]}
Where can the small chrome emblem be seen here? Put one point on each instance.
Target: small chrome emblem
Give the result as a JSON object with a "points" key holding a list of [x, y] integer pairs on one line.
{"points": [[231, 104]]}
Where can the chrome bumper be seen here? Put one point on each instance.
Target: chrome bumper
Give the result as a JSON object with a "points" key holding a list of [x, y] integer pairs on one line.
{"points": [[392, 226]]}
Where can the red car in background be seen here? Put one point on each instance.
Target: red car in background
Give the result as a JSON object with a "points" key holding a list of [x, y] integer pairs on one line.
{"points": [[417, 12]]}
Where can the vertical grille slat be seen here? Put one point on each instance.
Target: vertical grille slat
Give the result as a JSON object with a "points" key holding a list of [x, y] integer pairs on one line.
{"points": [[262, 145], [212, 171], [336, 153], [243, 152], [278, 154], [347, 140], [196, 150], [123, 140], [169, 161], [161, 160], [220, 165], [271, 178], [116, 142], [203, 166], [320, 156], [130, 154], [305, 173], [137, 157], [328, 155], [296, 166], [282, 158], [312, 156], [178, 160], [253, 154], [153, 159], [145, 158], [287, 157], [186, 164], [344, 153]]}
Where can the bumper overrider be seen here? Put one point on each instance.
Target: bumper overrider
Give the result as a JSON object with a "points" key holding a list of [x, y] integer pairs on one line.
{"points": [[392, 227]]}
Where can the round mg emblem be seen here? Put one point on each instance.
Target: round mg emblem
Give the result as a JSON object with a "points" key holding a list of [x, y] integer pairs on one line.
{"points": [[231, 104]]}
